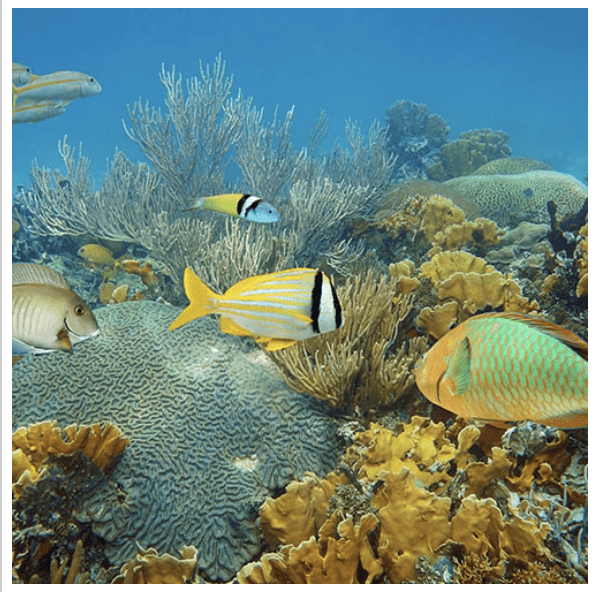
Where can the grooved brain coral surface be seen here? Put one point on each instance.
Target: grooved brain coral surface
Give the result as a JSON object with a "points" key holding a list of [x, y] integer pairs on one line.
{"points": [[510, 199], [213, 430]]}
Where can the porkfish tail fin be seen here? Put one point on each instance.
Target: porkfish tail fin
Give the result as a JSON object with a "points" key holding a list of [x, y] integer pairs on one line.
{"points": [[202, 300]]}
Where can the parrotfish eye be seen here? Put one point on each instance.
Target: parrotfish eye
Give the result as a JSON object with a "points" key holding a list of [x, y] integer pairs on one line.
{"points": [[79, 310]]}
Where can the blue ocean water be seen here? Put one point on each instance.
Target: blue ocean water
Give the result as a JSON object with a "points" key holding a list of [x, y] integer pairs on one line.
{"points": [[523, 71]]}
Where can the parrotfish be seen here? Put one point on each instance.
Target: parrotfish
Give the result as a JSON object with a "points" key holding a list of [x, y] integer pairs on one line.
{"points": [[239, 205], [46, 314], [506, 367], [277, 309], [64, 85]]}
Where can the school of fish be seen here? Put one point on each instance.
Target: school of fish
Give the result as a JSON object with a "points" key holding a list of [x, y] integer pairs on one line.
{"points": [[35, 98], [507, 367]]}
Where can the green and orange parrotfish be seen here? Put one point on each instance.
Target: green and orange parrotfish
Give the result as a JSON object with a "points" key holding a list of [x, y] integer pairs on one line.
{"points": [[506, 367]]}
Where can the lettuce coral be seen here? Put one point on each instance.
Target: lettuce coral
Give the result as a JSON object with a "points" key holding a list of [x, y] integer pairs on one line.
{"points": [[510, 199], [213, 430]]}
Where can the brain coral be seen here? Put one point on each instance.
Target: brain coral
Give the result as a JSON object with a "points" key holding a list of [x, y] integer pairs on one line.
{"points": [[509, 199], [213, 430]]}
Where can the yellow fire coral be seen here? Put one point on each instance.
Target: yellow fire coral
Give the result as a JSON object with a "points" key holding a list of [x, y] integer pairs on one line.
{"points": [[33, 444], [460, 277], [581, 254], [150, 568], [336, 557], [299, 513]]}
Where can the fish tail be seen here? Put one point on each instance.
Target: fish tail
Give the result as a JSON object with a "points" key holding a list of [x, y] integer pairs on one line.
{"points": [[201, 300], [195, 204]]}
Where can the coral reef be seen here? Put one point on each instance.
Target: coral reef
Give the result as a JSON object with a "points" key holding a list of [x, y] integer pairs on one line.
{"points": [[511, 166], [510, 199], [437, 508], [414, 137], [213, 429], [472, 150], [358, 367]]}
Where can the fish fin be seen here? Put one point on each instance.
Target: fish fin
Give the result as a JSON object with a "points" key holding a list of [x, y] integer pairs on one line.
{"points": [[276, 344], [229, 326], [62, 340], [19, 348], [566, 337], [459, 366], [15, 92], [195, 204], [577, 418], [199, 300]]}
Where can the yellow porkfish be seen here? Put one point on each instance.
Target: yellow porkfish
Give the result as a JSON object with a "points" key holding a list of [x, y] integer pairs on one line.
{"points": [[277, 309], [46, 314]]}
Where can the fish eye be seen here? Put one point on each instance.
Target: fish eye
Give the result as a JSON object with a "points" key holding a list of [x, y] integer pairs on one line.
{"points": [[79, 310]]}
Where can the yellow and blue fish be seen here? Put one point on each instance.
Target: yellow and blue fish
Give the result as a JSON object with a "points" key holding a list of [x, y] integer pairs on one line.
{"points": [[506, 367], [276, 309], [64, 85], [239, 205]]}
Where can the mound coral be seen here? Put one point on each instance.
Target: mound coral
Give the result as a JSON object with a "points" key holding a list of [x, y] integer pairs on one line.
{"points": [[511, 166], [189, 400], [472, 150], [357, 367], [510, 199]]}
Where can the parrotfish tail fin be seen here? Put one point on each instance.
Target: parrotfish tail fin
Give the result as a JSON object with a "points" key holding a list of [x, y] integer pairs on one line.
{"points": [[199, 300], [568, 338], [195, 204]]}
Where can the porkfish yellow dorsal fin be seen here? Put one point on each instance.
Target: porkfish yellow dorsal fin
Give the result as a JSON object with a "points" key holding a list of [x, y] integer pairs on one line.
{"points": [[202, 300]]}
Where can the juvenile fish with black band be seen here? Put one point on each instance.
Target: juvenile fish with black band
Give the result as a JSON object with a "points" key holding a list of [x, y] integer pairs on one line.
{"points": [[239, 205], [276, 309]]}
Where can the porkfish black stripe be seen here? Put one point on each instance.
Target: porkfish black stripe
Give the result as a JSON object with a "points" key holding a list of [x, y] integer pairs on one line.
{"points": [[247, 203], [338, 312], [316, 301]]}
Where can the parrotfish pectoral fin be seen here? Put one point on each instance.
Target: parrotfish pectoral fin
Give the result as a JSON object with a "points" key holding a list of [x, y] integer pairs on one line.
{"points": [[199, 300], [459, 367]]}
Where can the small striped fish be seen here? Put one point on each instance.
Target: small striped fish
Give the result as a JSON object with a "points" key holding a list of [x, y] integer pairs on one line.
{"points": [[277, 309], [46, 314], [64, 85], [239, 205], [506, 367]]}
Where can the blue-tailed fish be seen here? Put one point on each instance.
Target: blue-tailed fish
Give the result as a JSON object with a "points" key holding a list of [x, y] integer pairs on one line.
{"points": [[21, 74], [506, 367], [277, 309], [46, 314], [33, 111], [64, 85], [240, 205]]}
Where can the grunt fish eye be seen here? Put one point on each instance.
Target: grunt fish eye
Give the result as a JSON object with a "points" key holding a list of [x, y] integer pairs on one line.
{"points": [[79, 310]]}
